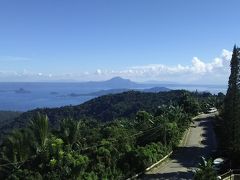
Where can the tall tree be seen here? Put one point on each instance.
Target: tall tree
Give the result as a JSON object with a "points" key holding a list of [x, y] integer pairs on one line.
{"points": [[232, 104]]}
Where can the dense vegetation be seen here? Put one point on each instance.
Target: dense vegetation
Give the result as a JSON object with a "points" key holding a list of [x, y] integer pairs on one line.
{"points": [[205, 170], [229, 121], [111, 137], [110, 107], [7, 117]]}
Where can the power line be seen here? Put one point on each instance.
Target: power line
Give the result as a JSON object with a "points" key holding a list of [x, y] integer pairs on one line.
{"points": [[95, 146], [139, 133]]}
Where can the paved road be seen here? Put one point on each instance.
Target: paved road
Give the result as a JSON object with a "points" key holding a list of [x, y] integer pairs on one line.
{"points": [[199, 141]]}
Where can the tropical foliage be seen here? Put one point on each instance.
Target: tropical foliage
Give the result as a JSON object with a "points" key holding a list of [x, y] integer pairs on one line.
{"points": [[205, 170], [115, 106], [86, 148]]}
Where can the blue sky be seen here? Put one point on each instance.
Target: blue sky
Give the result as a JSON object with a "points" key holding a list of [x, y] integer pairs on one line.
{"points": [[164, 40]]}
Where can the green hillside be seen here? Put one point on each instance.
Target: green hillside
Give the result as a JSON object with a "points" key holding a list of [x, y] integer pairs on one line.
{"points": [[110, 107], [110, 137]]}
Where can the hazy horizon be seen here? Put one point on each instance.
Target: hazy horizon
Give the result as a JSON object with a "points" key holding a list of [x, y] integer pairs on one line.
{"points": [[150, 82], [24, 96]]}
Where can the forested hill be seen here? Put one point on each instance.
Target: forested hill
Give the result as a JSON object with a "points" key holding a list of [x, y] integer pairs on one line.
{"points": [[6, 118], [107, 108], [153, 125]]}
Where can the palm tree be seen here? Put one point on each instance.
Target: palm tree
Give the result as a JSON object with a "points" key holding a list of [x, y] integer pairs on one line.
{"points": [[70, 131], [40, 129]]}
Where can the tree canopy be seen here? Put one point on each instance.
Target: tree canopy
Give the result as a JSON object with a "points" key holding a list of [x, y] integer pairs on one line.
{"points": [[83, 147], [231, 112]]}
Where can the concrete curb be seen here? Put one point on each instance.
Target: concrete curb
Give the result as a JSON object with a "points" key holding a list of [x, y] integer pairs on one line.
{"points": [[185, 136], [155, 164], [150, 167], [182, 142]]}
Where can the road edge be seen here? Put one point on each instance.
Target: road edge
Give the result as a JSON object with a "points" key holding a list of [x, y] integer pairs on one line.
{"points": [[182, 142]]}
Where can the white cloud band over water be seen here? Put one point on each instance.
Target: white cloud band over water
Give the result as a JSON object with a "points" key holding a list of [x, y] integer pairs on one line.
{"points": [[215, 72], [200, 72]]}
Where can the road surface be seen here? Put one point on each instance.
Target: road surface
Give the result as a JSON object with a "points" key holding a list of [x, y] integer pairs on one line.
{"points": [[199, 141]]}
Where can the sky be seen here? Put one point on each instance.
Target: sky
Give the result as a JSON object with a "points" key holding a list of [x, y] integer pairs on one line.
{"points": [[184, 41]]}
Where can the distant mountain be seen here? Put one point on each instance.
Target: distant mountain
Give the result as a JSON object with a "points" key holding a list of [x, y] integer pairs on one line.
{"points": [[114, 83], [100, 93], [116, 91], [121, 83]]}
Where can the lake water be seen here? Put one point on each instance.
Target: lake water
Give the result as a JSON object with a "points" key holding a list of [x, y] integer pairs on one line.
{"points": [[27, 96], [35, 95]]}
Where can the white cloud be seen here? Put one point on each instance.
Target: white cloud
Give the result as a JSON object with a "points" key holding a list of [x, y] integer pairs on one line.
{"points": [[198, 71], [98, 71]]}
